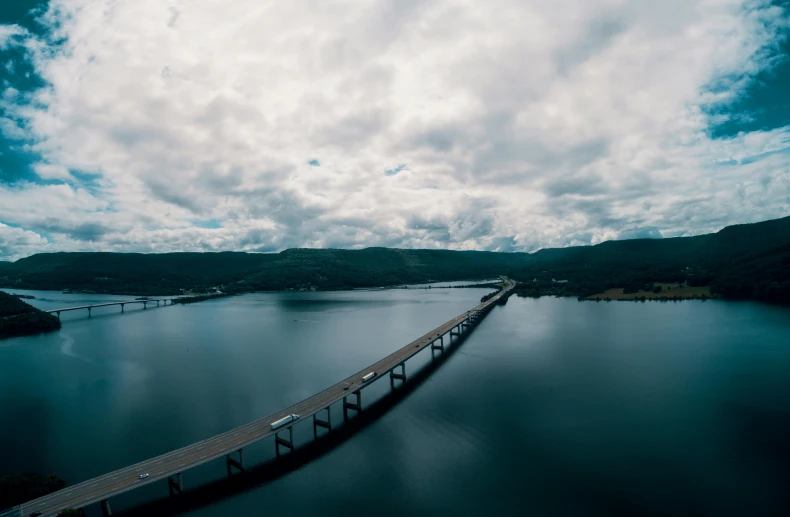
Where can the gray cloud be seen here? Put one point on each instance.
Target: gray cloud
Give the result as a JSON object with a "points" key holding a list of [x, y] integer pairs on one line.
{"points": [[647, 232], [523, 125]]}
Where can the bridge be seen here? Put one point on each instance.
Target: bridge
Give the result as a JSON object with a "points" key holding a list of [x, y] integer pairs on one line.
{"points": [[230, 445], [127, 302]]}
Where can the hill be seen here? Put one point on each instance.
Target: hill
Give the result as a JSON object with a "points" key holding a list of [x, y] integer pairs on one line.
{"points": [[170, 273], [18, 318], [741, 261]]}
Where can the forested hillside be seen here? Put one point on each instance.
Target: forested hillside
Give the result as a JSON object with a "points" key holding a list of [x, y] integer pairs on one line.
{"points": [[159, 274], [18, 318], [742, 261]]}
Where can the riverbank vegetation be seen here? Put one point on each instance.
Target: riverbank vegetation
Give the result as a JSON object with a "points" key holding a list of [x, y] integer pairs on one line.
{"points": [[198, 298], [18, 318], [654, 291], [750, 261], [19, 488]]}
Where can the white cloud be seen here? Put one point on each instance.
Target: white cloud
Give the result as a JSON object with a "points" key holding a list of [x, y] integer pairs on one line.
{"points": [[520, 124], [10, 35], [16, 242]]}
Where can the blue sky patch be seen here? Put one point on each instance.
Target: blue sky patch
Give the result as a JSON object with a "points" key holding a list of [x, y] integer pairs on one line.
{"points": [[396, 170], [16, 72], [211, 224], [314, 163], [765, 104]]}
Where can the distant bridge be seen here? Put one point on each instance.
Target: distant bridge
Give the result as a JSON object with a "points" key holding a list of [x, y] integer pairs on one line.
{"points": [[171, 465], [95, 305]]}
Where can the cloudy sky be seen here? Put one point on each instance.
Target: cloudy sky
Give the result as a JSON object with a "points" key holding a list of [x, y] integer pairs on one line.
{"points": [[188, 125]]}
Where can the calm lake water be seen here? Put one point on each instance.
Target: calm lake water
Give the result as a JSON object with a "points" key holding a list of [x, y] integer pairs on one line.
{"points": [[551, 406]]}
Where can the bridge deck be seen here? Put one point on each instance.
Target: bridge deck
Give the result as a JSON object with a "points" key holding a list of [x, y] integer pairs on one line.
{"points": [[104, 305], [179, 460]]}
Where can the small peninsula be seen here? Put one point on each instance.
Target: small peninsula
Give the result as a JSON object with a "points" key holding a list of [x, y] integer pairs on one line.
{"points": [[18, 318]]}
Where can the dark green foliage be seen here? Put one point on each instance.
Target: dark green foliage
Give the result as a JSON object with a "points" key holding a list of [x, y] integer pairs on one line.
{"points": [[71, 512], [173, 273], [198, 298], [19, 488], [17, 318], [10, 305], [489, 295], [743, 261], [30, 323]]}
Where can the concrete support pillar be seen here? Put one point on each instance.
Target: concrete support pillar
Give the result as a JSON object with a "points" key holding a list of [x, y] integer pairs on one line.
{"points": [[326, 424], [455, 331], [176, 485], [105, 507], [440, 346], [401, 376], [233, 462], [278, 440], [145, 305], [356, 406], [58, 313], [122, 307], [89, 311]]}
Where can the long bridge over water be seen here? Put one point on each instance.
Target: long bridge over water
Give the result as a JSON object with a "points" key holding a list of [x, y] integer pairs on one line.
{"points": [[170, 466], [89, 308]]}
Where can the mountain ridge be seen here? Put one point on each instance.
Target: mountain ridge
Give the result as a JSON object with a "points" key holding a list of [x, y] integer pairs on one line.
{"points": [[753, 254]]}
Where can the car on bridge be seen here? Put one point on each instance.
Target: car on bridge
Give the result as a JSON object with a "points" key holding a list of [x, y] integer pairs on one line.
{"points": [[142, 476]]}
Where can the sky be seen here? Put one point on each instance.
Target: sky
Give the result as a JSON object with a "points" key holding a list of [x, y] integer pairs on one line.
{"points": [[505, 125]]}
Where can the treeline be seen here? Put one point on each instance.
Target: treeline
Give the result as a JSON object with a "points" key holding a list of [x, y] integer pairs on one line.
{"points": [[743, 261], [19, 488], [198, 298], [18, 318], [297, 269]]}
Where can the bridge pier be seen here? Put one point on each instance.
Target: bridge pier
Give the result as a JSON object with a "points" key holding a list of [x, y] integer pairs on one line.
{"points": [[58, 313], [89, 311], [145, 305], [440, 346], [326, 424], [455, 331], [356, 406], [122, 306], [233, 462], [401, 376], [105, 507], [289, 443], [176, 485]]}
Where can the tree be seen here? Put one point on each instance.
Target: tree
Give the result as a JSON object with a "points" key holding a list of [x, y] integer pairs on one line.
{"points": [[71, 512], [18, 488]]}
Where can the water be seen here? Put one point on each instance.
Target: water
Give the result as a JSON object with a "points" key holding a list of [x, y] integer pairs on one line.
{"points": [[551, 407]]}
